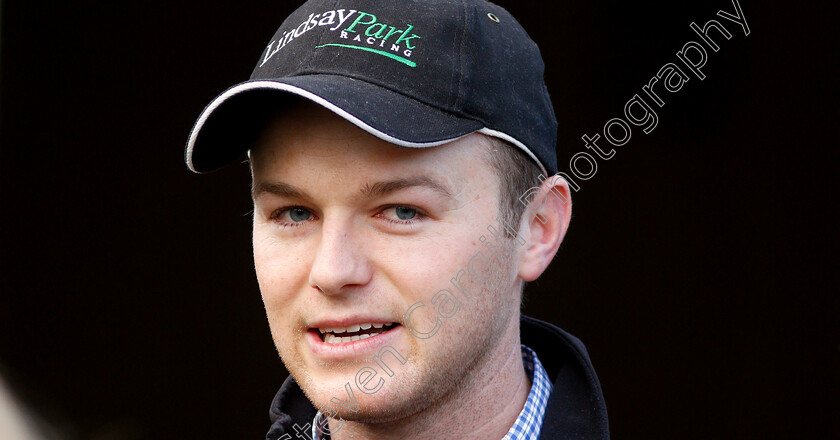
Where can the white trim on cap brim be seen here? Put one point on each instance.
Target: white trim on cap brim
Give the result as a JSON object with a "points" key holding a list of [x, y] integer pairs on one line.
{"points": [[513, 141], [235, 90]]}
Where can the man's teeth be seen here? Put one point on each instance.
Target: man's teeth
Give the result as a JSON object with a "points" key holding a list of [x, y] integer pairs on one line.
{"points": [[337, 335], [330, 339], [350, 329]]}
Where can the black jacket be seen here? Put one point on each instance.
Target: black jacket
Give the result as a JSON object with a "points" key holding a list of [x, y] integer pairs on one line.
{"points": [[575, 410]]}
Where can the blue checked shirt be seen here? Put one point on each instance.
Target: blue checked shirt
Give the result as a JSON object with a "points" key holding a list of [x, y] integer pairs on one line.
{"points": [[529, 423]]}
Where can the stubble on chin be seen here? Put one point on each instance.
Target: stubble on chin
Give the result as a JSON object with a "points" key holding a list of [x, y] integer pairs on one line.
{"points": [[424, 387]]}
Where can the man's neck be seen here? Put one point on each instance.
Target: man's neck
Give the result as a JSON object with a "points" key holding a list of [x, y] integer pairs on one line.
{"points": [[485, 406]]}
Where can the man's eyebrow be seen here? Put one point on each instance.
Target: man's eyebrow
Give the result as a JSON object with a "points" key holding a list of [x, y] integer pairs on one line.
{"points": [[370, 190], [279, 189], [382, 188]]}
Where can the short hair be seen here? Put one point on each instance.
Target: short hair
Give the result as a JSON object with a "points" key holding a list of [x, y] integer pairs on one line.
{"points": [[517, 174]]}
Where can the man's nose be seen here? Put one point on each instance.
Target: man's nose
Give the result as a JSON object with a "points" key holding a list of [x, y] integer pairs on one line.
{"points": [[341, 260]]}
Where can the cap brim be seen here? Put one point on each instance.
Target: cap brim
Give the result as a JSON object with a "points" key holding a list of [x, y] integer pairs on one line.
{"points": [[230, 124]]}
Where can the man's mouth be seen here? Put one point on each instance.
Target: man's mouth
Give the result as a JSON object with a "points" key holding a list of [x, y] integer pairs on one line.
{"points": [[357, 332]]}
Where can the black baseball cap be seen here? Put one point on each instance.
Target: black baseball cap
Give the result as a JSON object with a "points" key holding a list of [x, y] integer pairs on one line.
{"points": [[415, 73]]}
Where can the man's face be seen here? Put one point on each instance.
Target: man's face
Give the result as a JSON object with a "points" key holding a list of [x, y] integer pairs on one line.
{"points": [[352, 231]]}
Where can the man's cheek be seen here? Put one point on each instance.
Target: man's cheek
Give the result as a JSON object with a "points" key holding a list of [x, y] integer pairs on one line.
{"points": [[271, 299], [482, 273]]}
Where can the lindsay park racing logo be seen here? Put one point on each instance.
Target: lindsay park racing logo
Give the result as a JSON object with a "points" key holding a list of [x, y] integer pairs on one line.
{"points": [[363, 33]]}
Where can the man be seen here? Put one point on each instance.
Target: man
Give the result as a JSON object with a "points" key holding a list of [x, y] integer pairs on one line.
{"points": [[398, 153]]}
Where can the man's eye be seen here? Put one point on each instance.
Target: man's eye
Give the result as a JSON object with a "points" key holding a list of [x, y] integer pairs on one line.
{"points": [[299, 214], [294, 214], [404, 213], [401, 213]]}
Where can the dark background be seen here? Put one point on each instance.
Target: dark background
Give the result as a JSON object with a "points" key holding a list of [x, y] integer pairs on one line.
{"points": [[699, 269]]}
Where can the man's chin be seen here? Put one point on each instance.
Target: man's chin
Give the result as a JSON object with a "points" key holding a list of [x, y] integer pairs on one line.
{"points": [[343, 399]]}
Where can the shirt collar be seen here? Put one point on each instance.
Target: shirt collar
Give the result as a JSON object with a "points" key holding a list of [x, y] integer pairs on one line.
{"points": [[529, 422]]}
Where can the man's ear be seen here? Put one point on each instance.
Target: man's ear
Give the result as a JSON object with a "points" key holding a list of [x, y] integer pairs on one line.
{"points": [[548, 210]]}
